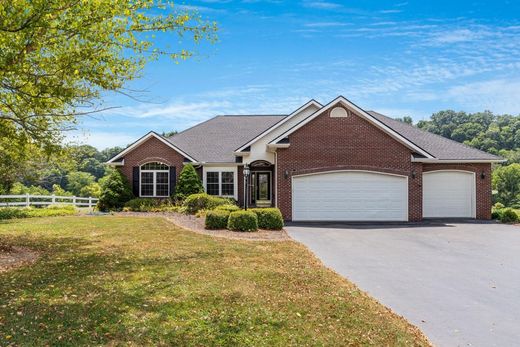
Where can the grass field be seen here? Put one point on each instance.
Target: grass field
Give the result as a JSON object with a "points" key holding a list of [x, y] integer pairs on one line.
{"points": [[142, 281]]}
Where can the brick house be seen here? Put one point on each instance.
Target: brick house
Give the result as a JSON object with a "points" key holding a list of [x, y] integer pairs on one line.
{"points": [[334, 162]]}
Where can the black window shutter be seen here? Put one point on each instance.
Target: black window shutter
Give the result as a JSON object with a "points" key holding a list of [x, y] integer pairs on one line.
{"points": [[135, 180], [173, 179]]}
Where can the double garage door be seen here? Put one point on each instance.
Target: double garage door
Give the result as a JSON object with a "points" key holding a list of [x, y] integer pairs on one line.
{"points": [[375, 196]]}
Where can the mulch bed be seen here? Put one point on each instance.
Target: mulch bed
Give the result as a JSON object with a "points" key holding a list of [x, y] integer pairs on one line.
{"points": [[16, 257], [197, 225]]}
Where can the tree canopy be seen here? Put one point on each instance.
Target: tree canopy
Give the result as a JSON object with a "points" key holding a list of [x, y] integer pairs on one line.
{"points": [[58, 56], [497, 134]]}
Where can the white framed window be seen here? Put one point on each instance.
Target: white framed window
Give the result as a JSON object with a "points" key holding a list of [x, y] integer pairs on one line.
{"points": [[221, 181], [154, 180]]}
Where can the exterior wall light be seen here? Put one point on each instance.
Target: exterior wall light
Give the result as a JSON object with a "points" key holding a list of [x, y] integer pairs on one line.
{"points": [[414, 174], [286, 174], [482, 175]]}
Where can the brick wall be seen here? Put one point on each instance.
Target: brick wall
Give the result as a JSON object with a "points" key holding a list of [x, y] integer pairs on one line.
{"points": [[352, 143], [151, 150]]}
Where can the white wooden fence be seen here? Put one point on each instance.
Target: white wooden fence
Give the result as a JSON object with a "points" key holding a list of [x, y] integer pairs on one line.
{"points": [[27, 200]]}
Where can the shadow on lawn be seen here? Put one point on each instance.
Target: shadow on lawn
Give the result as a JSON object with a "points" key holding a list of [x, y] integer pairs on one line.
{"points": [[79, 294]]}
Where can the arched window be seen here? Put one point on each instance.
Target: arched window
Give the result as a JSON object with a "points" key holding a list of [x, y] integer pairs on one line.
{"points": [[154, 180]]}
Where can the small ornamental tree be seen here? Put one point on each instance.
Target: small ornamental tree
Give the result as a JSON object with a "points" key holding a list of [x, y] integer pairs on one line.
{"points": [[115, 191], [506, 180], [189, 183]]}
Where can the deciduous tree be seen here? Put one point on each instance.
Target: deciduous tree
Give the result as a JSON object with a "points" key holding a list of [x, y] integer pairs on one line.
{"points": [[57, 57]]}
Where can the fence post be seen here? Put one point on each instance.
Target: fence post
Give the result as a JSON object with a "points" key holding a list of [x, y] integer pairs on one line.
{"points": [[53, 199], [89, 202], [74, 200], [27, 200]]}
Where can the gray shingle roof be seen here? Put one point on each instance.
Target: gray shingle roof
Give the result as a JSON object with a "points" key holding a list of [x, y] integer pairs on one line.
{"points": [[439, 147], [216, 139]]}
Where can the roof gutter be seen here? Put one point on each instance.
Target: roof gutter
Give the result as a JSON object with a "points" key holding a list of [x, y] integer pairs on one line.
{"points": [[116, 163], [456, 161], [278, 145]]}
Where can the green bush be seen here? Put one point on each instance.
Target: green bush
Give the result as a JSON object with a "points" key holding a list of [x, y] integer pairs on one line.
{"points": [[243, 221], [51, 212], [115, 191], [196, 202], [12, 212], [497, 214], [217, 219], [189, 183], [498, 206], [61, 207], [269, 218], [508, 215], [228, 207], [28, 212], [150, 205], [141, 204]]}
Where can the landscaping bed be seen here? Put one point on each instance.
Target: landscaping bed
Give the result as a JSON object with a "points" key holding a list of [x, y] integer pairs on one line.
{"points": [[197, 225]]}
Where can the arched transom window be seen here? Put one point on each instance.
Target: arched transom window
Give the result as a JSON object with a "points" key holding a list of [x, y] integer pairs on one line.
{"points": [[154, 180]]}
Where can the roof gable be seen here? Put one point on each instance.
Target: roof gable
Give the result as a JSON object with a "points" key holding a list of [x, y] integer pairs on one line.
{"points": [[143, 140], [309, 104], [277, 142]]}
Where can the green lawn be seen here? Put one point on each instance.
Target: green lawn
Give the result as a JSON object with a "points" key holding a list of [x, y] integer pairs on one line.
{"points": [[143, 281]]}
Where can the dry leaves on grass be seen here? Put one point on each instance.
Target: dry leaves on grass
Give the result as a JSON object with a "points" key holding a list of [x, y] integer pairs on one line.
{"points": [[14, 257]]}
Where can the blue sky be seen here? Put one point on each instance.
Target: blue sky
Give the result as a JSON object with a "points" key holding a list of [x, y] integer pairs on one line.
{"points": [[401, 58]]}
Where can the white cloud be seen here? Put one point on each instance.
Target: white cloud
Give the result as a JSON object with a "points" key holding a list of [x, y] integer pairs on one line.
{"points": [[497, 95], [390, 11], [100, 139], [201, 9], [326, 24], [456, 36], [323, 5]]}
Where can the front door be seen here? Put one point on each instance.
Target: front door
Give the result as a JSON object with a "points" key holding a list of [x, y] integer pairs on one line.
{"points": [[263, 188]]}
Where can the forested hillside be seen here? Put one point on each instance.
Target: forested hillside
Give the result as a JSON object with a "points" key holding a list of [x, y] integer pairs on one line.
{"points": [[71, 170], [497, 134]]}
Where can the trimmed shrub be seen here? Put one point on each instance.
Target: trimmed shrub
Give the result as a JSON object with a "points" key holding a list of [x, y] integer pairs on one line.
{"points": [[189, 183], [228, 207], [202, 201], [141, 204], [508, 215], [115, 191], [243, 221], [269, 218], [217, 219]]}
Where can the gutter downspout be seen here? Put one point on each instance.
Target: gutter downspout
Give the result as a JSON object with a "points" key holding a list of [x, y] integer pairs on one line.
{"points": [[276, 178]]}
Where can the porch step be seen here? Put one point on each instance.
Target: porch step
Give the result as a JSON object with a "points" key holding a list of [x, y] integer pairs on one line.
{"points": [[263, 203]]}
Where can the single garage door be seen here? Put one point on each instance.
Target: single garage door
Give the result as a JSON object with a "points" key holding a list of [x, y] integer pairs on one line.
{"points": [[448, 194], [350, 196]]}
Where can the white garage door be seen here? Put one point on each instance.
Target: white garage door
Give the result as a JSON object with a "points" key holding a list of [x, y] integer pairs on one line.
{"points": [[350, 196], [449, 194]]}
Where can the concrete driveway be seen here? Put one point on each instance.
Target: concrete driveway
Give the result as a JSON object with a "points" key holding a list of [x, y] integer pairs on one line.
{"points": [[459, 283]]}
